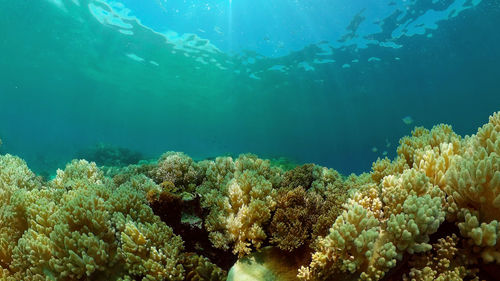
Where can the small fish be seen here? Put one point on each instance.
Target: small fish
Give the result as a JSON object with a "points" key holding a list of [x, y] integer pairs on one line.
{"points": [[201, 30], [374, 149], [407, 120], [387, 143], [218, 30], [384, 153]]}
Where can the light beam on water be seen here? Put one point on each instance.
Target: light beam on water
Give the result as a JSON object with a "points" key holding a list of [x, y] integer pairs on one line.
{"points": [[230, 25]]}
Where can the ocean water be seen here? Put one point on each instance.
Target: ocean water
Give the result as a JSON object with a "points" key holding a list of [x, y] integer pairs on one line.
{"points": [[335, 83], [91, 88]]}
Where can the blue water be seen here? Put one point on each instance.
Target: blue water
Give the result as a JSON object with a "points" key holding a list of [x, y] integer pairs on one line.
{"points": [[313, 81]]}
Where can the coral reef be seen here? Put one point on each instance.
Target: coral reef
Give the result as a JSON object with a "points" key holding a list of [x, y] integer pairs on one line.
{"points": [[473, 186], [15, 180], [199, 268], [431, 213], [436, 175], [178, 169], [296, 213], [299, 176], [110, 155], [446, 261], [240, 195], [81, 226], [308, 202]]}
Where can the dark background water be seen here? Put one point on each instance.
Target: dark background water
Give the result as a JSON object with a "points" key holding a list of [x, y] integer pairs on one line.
{"points": [[66, 83]]}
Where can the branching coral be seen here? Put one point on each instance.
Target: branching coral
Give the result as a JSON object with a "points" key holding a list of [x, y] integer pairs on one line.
{"points": [[240, 202], [301, 215], [330, 208], [437, 174], [121, 175], [217, 173], [297, 211], [347, 247], [151, 250], [446, 261], [83, 227], [15, 181], [14, 173], [396, 189], [473, 186], [326, 180], [384, 167], [199, 268], [77, 174], [299, 176], [179, 169], [66, 230], [427, 151], [422, 138], [378, 227]]}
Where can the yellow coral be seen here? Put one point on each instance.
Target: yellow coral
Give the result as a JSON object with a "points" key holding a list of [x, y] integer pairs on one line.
{"points": [[217, 172], [403, 211], [422, 137], [15, 181], [407, 230], [368, 196], [179, 169], [397, 188], [78, 173], [473, 186], [436, 161], [15, 173], [445, 262], [325, 180], [436, 174], [384, 167], [69, 230], [199, 268], [82, 225], [420, 217], [240, 201], [251, 199], [151, 250], [348, 247]]}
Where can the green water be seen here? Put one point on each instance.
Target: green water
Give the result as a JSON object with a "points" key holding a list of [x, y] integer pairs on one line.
{"points": [[68, 82]]}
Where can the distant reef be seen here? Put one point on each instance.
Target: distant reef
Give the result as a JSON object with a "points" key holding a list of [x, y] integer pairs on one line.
{"points": [[432, 213]]}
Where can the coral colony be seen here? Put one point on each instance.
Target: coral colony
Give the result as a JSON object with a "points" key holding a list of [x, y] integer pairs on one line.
{"points": [[430, 214]]}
